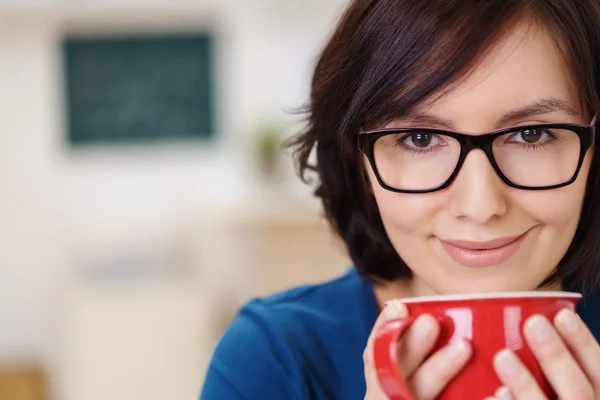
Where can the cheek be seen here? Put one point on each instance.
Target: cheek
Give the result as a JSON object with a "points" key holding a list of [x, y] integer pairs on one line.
{"points": [[558, 210], [406, 213]]}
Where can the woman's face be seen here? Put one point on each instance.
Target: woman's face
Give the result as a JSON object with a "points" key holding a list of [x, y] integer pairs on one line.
{"points": [[524, 69]]}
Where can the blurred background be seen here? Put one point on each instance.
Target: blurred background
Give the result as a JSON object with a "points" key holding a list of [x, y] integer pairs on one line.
{"points": [[144, 193]]}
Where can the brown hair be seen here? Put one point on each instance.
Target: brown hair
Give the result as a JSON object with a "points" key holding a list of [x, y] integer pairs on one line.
{"points": [[387, 56]]}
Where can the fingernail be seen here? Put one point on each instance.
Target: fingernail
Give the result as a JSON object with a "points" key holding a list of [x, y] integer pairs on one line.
{"points": [[394, 309], [456, 351], [538, 328], [503, 394], [507, 363], [567, 321], [424, 326]]}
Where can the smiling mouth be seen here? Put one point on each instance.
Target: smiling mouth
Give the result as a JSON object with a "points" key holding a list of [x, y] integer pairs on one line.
{"points": [[487, 245], [483, 254]]}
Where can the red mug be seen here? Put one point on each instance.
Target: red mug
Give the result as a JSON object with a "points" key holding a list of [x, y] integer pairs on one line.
{"points": [[490, 322]]}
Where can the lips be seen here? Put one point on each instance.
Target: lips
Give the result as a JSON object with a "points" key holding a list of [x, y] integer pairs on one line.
{"points": [[483, 254], [489, 245]]}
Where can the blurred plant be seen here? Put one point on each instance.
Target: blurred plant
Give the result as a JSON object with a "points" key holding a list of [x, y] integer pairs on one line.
{"points": [[269, 146]]}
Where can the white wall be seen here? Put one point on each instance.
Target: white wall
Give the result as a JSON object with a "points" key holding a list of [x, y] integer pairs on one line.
{"points": [[265, 62], [32, 178], [56, 202]]}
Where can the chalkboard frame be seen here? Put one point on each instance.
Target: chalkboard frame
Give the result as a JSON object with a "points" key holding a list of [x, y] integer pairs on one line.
{"points": [[187, 104]]}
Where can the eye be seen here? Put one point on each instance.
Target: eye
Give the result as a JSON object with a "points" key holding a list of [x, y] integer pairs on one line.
{"points": [[421, 139], [531, 135]]}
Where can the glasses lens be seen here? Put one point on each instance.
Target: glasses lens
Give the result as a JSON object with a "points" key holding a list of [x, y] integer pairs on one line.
{"points": [[538, 157], [415, 160]]}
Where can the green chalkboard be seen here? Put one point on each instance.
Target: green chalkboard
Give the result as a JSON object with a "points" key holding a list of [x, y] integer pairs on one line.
{"points": [[139, 89]]}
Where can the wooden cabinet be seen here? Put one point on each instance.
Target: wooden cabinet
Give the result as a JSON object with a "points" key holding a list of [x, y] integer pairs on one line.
{"points": [[22, 383], [285, 252]]}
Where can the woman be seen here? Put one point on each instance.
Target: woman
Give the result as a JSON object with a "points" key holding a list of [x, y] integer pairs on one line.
{"points": [[454, 154]]}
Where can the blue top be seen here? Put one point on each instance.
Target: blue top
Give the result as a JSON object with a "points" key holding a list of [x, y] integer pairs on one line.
{"points": [[306, 344]]}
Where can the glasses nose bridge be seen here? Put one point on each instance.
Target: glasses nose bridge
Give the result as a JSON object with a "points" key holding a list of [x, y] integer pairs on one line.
{"points": [[481, 142]]}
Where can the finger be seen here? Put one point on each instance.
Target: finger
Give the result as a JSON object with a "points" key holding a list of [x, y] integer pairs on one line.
{"points": [[503, 393], [392, 310], [582, 344], [374, 390], [434, 374], [417, 343], [560, 367], [516, 377]]}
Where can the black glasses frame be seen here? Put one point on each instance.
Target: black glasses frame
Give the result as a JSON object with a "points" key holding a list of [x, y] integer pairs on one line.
{"points": [[586, 134]]}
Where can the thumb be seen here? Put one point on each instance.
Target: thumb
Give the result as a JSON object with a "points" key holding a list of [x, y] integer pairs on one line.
{"points": [[391, 310]]}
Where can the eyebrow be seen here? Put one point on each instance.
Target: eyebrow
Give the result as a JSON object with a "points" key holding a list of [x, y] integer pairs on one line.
{"points": [[538, 107], [421, 118]]}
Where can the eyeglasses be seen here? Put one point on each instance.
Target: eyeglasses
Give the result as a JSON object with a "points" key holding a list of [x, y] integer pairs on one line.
{"points": [[533, 157]]}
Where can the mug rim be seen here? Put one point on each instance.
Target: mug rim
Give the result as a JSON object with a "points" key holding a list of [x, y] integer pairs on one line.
{"points": [[494, 296]]}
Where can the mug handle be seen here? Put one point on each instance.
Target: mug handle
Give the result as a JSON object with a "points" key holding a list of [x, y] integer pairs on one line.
{"points": [[385, 358]]}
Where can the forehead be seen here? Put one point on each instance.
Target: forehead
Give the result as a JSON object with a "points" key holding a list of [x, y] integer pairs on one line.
{"points": [[524, 66]]}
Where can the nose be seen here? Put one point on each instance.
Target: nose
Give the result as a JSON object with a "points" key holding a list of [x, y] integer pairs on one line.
{"points": [[477, 194]]}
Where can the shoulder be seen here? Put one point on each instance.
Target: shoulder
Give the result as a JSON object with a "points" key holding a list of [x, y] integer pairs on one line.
{"points": [[277, 339], [321, 310], [333, 293], [242, 365], [285, 318]]}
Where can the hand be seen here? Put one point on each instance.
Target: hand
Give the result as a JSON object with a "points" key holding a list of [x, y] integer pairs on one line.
{"points": [[425, 375], [568, 354]]}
